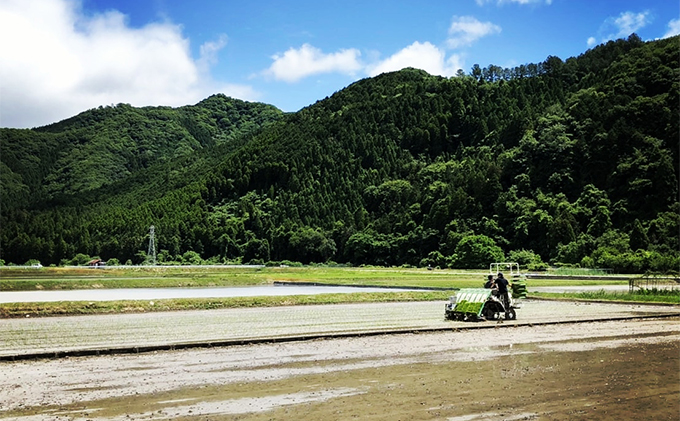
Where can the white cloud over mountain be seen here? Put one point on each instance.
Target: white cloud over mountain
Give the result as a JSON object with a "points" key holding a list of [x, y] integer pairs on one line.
{"points": [[296, 64], [423, 56], [673, 28], [56, 61], [465, 30]]}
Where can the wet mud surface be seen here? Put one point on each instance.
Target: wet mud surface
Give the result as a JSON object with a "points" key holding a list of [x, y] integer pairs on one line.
{"points": [[595, 371], [104, 333]]}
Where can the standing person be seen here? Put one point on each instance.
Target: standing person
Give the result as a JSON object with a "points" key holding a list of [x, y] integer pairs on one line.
{"points": [[502, 285]]}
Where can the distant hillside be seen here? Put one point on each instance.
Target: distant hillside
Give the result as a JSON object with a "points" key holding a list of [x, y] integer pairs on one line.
{"points": [[109, 144], [572, 162]]}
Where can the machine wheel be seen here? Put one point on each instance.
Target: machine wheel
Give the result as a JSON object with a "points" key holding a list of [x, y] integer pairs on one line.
{"points": [[510, 314], [490, 314]]}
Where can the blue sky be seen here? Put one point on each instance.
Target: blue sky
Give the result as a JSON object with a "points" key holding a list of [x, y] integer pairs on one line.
{"points": [[61, 57]]}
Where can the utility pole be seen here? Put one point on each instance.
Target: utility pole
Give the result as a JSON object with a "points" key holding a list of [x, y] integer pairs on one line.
{"points": [[151, 254]]}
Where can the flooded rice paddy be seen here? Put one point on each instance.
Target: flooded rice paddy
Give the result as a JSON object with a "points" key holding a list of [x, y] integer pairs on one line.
{"points": [[164, 330], [170, 293], [595, 371]]}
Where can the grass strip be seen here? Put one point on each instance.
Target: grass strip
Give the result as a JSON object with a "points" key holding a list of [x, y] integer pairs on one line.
{"points": [[119, 283], [641, 296], [72, 308], [182, 277]]}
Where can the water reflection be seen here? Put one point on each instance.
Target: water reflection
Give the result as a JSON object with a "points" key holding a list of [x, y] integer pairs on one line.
{"points": [[169, 293]]}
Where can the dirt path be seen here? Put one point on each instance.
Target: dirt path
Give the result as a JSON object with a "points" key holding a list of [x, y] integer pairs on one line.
{"points": [[603, 370]]}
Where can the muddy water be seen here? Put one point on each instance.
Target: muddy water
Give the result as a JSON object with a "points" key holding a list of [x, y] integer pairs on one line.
{"points": [[596, 371]]}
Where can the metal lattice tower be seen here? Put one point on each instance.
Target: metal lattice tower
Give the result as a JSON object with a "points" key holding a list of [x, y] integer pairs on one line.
{"points": [[151, 254]]}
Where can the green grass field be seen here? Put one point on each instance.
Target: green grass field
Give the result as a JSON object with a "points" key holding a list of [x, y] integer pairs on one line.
{"points": [[31, 279], [639, 296]]}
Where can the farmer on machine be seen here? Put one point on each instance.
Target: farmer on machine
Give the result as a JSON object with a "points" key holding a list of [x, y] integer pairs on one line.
{"points": [[490, 283], [502, 285]]}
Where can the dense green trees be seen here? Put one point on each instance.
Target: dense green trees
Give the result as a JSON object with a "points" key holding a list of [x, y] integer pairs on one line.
{"points": [[572, 162], [109, 144]]}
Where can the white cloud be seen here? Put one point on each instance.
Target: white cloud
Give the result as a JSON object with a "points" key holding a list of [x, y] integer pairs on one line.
{"points": [[299, 63], [296, 64], [465, 30], [56, 62], [423, 56], [621, 27], [629, 22], [209, 51], [673, 28]]}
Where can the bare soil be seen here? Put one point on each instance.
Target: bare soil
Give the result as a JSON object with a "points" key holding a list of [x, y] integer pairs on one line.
{"points": [[595, 371]]}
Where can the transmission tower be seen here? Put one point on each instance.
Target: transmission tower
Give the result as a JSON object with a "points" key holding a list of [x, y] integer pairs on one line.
{"points": [[151, 254]]}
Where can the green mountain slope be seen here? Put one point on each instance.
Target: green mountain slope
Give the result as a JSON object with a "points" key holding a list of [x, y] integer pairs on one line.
{"points": [[570, 161], [110, 144]]}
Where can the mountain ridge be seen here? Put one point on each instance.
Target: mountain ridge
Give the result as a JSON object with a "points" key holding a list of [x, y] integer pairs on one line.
{"points": [[108, 144]]}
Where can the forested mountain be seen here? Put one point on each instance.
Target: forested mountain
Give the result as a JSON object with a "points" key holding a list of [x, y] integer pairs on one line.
{"points": [[572, 162], [102, 146]]}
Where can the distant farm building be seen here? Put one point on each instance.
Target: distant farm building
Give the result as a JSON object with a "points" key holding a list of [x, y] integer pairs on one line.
{"points": [[96, 263]]}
